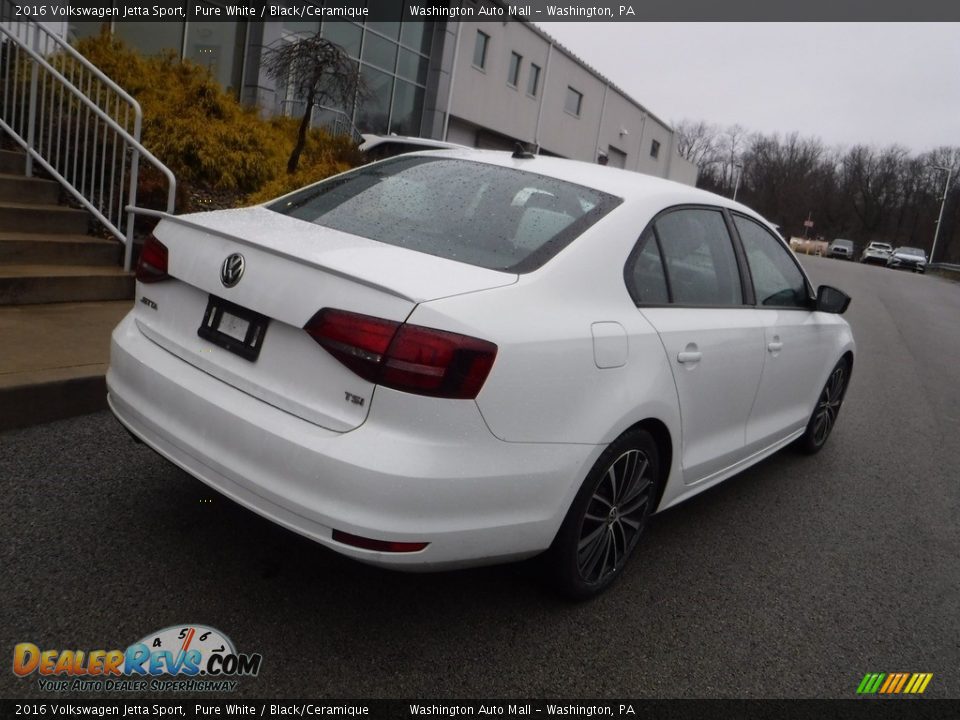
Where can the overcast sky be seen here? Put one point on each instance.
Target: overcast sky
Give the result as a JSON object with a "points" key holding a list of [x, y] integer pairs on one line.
{"points": [[845, 83]]}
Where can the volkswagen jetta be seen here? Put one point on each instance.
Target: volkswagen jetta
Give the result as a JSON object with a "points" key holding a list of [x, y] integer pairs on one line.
{"points": [[465, 357]]}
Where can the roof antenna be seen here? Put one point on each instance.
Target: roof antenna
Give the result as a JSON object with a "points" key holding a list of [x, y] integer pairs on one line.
{"points": [[521, 153]]}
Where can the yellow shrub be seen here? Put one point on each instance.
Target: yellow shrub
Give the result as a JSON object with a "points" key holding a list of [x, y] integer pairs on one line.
{"points": [[323, 156], [202, 132]]}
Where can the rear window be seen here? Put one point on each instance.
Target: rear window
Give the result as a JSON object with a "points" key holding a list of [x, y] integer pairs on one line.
{"points": [[493, 217]]}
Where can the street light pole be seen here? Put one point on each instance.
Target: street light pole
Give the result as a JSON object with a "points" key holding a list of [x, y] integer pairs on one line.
{"points": [[943, 201], [736, 185]]}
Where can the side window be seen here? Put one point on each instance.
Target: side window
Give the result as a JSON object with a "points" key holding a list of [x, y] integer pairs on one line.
{"points": [[646, 282], [698, 253], [777, 280]]}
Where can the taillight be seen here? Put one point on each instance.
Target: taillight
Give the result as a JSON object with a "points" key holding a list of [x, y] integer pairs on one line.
{"points": [[152, 266], [405, 357]]}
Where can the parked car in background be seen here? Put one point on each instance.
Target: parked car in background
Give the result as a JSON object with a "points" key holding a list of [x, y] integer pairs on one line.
{"points": [[841, 248], [877, 252], [381, 147], [464, 357], [908, 258]]}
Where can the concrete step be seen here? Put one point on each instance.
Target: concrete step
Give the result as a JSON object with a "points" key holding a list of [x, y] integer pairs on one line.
{"points": [[40, 249], [34, 284], [26, 217], [33, 191], [12, 161], [54, 360]]}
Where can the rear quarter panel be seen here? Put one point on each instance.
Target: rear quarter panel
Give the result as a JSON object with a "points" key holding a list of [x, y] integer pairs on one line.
{"points": [[545, 386]]}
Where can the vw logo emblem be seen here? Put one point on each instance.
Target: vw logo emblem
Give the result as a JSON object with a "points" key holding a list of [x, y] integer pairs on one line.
{"points": [[232, 270]]}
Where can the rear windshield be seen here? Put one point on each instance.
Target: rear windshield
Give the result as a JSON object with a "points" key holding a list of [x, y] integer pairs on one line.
{"points": [[493, 217]]}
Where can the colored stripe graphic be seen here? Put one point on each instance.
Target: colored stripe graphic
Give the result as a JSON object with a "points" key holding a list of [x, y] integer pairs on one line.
{"points": [[894, 683], [927, 677], [886, 686], [870, 683], [900, 684]]}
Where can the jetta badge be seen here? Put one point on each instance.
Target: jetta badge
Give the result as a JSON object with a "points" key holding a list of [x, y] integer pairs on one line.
{"points": [[232, 270]]}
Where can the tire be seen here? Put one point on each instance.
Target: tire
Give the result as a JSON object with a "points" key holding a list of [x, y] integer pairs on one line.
{"points": [[607, 517], [827, 409]]}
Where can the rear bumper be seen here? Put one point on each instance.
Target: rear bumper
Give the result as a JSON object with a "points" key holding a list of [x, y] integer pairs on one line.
{"points": [[418, 470]]}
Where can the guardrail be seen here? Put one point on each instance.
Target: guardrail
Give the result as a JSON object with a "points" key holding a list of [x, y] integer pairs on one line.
{"points": [[74, 122]]}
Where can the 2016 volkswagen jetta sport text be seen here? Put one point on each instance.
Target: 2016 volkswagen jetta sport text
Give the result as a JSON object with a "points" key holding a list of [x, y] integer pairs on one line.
{"points": [[462, 357]]}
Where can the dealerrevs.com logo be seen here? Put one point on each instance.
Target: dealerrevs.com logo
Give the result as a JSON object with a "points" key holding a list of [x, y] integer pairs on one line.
{"points": [[180, 658]]}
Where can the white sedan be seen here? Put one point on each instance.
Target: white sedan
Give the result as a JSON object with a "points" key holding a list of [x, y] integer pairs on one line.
{"points": [[465, 357]]}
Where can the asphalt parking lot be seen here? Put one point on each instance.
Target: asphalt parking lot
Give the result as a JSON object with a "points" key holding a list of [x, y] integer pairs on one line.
{"points": [[792, 580]]}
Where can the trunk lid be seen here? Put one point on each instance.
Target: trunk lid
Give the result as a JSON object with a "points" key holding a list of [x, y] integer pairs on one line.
{"points": [[292, 269]]}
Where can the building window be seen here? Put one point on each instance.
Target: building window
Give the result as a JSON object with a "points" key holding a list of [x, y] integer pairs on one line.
{"points": [[217, 46], [480, 50], [655, 149], [513, 77], [393, 59], [346, 35], [573, 102], [533, 85], [152, 38], [373, 115], [379, 52]]}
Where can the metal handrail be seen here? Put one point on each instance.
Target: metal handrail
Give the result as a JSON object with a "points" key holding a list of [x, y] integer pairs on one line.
{"points": [[341, 124], [75, 122]]}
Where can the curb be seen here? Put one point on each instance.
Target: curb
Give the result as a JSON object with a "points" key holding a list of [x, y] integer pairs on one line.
{"points": [[52, 399]]}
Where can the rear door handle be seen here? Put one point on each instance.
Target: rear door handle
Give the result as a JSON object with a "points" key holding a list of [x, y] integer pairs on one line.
{"points": [[775, 346], [688, 356]]}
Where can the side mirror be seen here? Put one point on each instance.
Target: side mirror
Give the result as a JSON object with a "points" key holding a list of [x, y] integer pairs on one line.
{"points": [[831, 300]]}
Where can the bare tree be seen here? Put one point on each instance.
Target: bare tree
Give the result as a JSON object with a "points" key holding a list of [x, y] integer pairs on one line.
{"points": [[874, 176], [696, 142], [861, 192], [730, 148], [319, 72]]}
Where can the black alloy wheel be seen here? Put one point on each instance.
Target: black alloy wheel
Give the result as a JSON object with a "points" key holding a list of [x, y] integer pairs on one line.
{"points": [[828, 407], [607, 518]]}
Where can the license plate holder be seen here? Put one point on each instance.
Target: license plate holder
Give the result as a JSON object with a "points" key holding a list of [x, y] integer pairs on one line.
{"points": [[234, 328]]}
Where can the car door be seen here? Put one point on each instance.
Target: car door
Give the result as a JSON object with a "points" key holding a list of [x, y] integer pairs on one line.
{"points": [[796, 343], [684, 277]]}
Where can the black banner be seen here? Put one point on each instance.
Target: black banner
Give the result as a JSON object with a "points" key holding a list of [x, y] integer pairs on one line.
{"points": [[864, 709]]}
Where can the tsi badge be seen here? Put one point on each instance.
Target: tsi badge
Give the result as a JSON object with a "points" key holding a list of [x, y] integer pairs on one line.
{"points": [[232, 270], [197, 656]]}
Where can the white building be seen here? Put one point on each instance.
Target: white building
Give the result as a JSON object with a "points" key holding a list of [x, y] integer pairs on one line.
{"points": [[512, 82]]}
